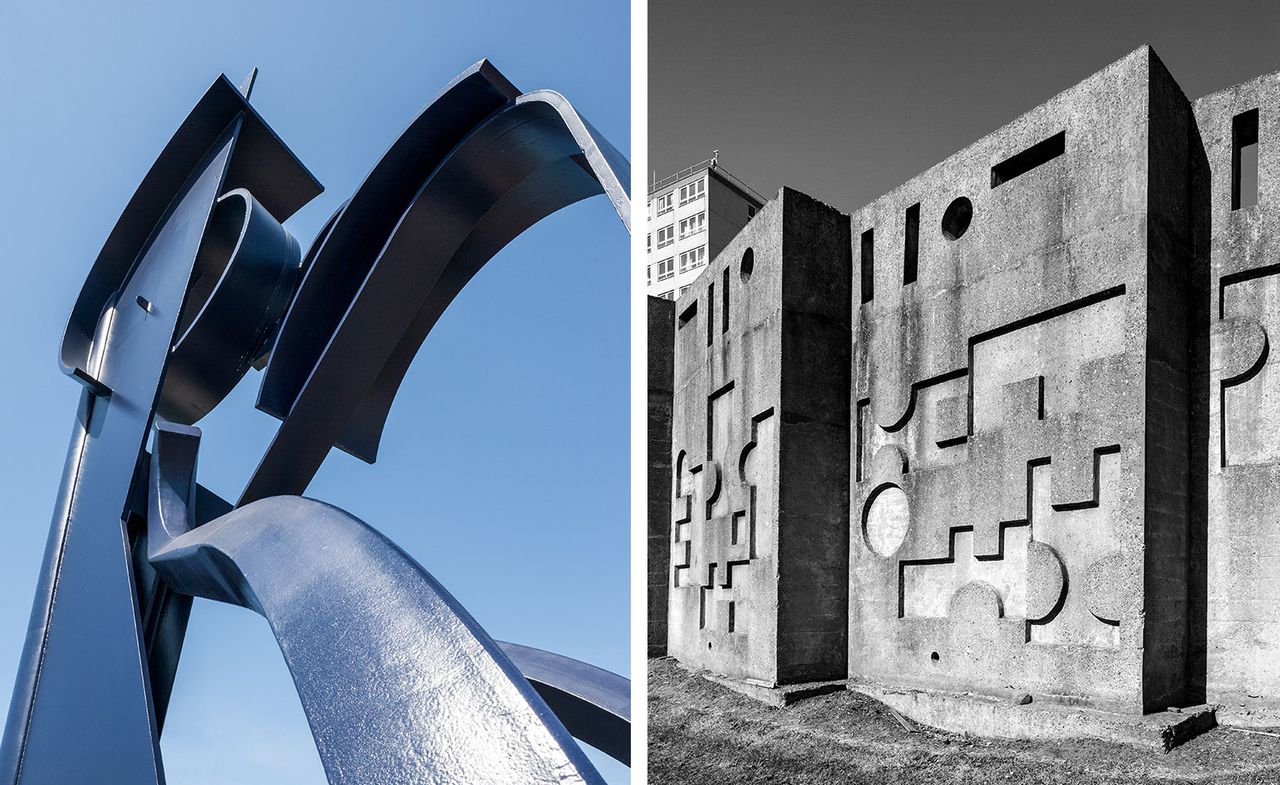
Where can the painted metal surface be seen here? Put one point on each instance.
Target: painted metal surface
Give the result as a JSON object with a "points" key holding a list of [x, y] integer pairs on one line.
{"points": [[475, 181], [99, 705], [593, 703], [245, 277], [197, 283], [398, 682]]}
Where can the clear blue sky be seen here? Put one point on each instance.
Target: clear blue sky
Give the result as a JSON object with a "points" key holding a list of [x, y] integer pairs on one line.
{"points": [[504, 466]]}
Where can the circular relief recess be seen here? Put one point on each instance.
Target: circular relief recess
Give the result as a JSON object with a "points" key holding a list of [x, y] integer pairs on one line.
{"points": [[885, 520], [955, 221], [748, 265]]}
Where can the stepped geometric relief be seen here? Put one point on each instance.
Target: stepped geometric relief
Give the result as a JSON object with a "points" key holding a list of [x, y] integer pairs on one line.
{"points": [[993, 495], [1239, 600], [719, 527], [1027, 575]]}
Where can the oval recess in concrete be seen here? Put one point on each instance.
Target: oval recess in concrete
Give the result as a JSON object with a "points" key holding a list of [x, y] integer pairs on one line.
{"points": [[885, 520], [1104, 590], [955, 221], [748, 265], [711, 481], [1046, 579]]}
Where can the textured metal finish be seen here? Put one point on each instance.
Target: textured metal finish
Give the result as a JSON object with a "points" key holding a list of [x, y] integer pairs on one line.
{"points": [[197, 283], [593, 703], [479, 166], [117, 341], [103, 711], [399, 683]]}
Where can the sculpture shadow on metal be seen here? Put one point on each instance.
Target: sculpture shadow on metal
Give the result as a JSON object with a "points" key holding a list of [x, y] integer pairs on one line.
{"points": [[197, 283]]}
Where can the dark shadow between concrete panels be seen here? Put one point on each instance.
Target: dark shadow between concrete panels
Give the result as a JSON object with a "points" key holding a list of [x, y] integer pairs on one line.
{"points": [[998, 449]]}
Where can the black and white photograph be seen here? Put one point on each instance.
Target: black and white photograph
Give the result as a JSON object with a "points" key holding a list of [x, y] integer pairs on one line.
{"points": [[963, 429]]}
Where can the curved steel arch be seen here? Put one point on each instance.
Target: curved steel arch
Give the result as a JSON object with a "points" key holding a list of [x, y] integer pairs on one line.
{"points": [[117, 344], [593, 703], [375, 288], [475, 169], [398, 682], [262, 163]]}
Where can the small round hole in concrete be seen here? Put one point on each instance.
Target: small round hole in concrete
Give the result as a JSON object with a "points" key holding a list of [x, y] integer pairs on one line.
{"points": [[955, 221], [934, 656], [748, 265]]}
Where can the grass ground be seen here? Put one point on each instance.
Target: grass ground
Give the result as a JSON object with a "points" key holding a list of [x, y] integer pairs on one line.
{"points": [[703, 734]]}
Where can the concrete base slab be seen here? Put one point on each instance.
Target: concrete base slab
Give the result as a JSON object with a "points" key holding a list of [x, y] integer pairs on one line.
{"points": [[1011, 719], [1267, 718], [781, 695]]}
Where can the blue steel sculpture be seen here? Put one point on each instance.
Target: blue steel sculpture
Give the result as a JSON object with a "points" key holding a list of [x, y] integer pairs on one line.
{"points": [[197, 283]]}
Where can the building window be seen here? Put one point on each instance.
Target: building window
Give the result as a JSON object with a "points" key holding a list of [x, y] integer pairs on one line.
{"points": [[693, 258], [666, 236], [693, 191], [648, 242], [666, 268], [693, 224], [671, 295], [648, 274], [664, 203], [684, 289]]}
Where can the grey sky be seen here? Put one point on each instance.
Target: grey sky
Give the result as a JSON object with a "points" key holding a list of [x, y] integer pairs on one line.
{"points": [[846, 101]]}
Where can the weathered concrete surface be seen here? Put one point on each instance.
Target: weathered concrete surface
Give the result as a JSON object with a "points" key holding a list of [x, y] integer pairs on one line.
{"points": [[1061, 424], [782, 695], [759, 530], [1028, 394], [1007, 718], [1241, 249], [661, 326]]}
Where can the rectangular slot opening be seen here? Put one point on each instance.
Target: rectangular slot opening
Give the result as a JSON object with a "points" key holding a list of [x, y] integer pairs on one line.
{"points": [[1035, 155], [688, 315], [868, 264], [711, 312], [1244, 159], [724, 302], [911, 245]]}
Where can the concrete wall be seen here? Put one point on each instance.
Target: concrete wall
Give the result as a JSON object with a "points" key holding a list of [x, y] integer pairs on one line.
{"points": [[759, 527], [661, 326], [1241, 591], [1018, 522], [1039, 438]]}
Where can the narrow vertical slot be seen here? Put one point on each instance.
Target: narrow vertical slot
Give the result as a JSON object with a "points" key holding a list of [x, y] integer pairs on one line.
{"points": [[911, 245], [1244, 159], [724, 302], [711, 312], [868, 265]]}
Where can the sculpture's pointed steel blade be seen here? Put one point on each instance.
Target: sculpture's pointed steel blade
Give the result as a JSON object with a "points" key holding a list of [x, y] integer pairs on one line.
{"points": [[81, 711], [246, 86]]}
